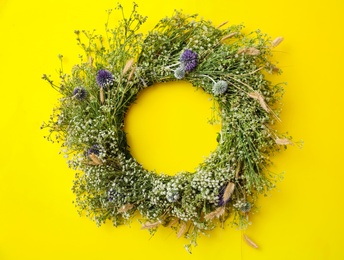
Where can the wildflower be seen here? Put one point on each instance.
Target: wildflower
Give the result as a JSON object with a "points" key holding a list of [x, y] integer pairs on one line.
{"points": [[220, 87], [245, 207], [179, 73], [80, 93], [189, 60], [94, 150], [104, 78], [172, 196]]}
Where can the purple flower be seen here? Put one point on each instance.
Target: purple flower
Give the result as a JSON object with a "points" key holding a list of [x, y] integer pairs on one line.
{"points": [[94, 150], [80, 93], [189, 60], [104, 78]]}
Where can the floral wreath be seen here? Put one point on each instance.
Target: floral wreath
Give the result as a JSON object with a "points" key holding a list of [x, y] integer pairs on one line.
{"points": [[89, 122]]}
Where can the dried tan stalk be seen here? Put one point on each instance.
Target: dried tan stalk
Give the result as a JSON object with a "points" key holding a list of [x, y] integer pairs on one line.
{"points": [[102, 98], [222, 24], [125, 208], [260, 98], [127, 66], [90, 61], [237, 170], [249, 51], [277, 41], [228, 191], [275, 69], [149, 225], [228, 36], [182, 230], [95, 159], [250, 242], [217, 213], [172, 222], [283, 141], [131, 74]]}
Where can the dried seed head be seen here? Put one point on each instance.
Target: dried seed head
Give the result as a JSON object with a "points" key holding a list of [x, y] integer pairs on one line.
{"points": [[237, 170], [277, 41], [250, 242], [131, 74], [149, 225], [95, 159], [90, 61], [228, 192], [127, 66], [283, 141], [228, 36], [182, 230], [249, 51], [217, 213], [101, 95], [125, 208], [257, 96], [222, 24]]}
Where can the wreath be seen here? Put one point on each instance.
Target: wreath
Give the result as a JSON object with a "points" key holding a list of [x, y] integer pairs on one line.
{"points": [[89, 122]]}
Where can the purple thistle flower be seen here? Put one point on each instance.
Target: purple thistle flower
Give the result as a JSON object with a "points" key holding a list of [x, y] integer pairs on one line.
{"points": [[189, 60], [80, 93], [94, 150], [104, 78]]}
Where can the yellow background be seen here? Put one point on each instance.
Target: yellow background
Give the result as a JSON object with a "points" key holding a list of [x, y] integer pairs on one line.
{"points": [[303, 217]]}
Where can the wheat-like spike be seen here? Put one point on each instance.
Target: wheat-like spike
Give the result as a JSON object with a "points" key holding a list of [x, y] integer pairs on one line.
{"points": [[237, 170], [283, 141], [102, 98], [131, 74], [217, 213], [182, 230], [228, 191], [222, 24], [90, 61], [172, 222], [127, 66], [95, 159], [228, 36], [249, 51], [260, 98], [277, 41], [125, 208], [149, 225], [250, 242]]}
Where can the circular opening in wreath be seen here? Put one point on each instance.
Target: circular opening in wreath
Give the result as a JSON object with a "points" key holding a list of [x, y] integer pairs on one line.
{"points": [[172, 127]]}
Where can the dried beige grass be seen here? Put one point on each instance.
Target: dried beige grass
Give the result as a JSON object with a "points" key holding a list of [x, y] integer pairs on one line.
{"points": [[228, 36], [95, 159], [283, 141], [149, 225], [228, 191], [101, 94], [131, 74], [222, 24], [127, 66], [182, 230], [250, 242], [277, 41], [249, 51], [259, 97], [217, 213], [125, 208]]}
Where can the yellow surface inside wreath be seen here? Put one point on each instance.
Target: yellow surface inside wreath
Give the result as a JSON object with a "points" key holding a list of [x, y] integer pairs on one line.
{"points": [[172, 127]]}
